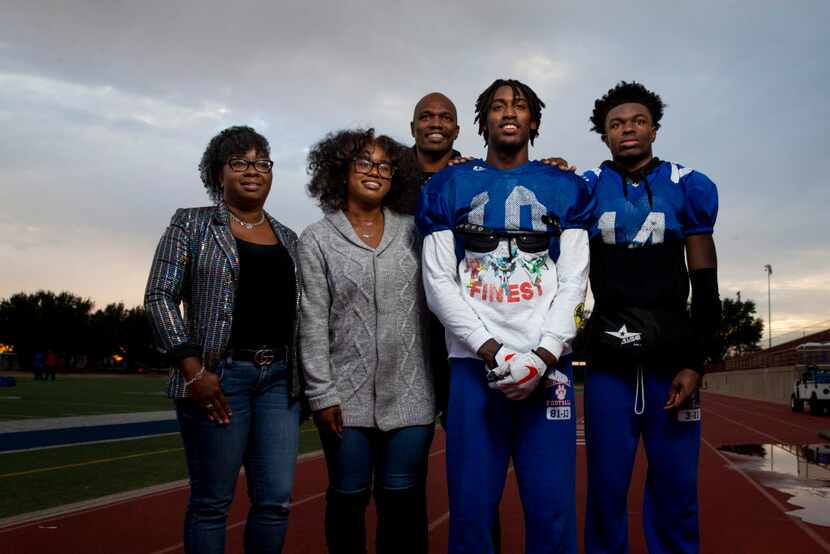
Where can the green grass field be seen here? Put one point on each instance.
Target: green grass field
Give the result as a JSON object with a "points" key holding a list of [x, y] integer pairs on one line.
{"points": [[45, 478], [49, 477], [83, 395]]}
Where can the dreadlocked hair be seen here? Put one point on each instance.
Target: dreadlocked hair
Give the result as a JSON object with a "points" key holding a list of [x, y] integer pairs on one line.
{"points": [[485, 100], [330, 159], [625, 93], [233, 142]]}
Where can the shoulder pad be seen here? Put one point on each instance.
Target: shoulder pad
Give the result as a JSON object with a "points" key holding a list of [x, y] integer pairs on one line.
{"points": [[678, 172]]}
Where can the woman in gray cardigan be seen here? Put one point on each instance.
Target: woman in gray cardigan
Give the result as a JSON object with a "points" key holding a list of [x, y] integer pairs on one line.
{"points": [[363, 341]]}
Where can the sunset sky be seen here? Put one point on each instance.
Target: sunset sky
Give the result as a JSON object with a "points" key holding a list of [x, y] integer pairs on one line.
{"points": [[106, 108]]}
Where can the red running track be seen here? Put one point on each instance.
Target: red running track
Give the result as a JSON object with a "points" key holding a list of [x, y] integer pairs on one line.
{"points": [[738, 515]]}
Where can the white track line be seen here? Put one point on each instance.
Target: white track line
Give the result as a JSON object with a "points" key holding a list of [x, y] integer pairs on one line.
{"points": [[796, 521], [437, 522], [68, 510], [300, 502], [63, 512], [94, 505], [739, 424], [180, 545], [756, 413]]}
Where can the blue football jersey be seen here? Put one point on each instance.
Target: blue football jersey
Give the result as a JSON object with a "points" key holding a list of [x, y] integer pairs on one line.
{"points": [[531, 197], [520, 250], [671, 203], [639, 230]]}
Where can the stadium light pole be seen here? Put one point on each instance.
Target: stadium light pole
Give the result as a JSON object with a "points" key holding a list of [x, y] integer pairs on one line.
{"points": [[768, 269]]}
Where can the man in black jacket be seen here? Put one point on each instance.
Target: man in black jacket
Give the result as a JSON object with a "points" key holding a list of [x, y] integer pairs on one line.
{"points": [[434, 127]]}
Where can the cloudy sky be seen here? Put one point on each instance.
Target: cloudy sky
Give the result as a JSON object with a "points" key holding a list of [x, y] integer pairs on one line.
{"points": [[106, 107]]}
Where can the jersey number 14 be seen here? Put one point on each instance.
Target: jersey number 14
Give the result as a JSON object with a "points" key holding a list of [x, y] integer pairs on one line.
{"points": [[654, 227]]}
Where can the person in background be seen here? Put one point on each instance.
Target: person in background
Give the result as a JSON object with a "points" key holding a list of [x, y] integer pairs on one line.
{"points": [[37, 365], [364, 341], [50, 365], [236, 380], [434, 127]]}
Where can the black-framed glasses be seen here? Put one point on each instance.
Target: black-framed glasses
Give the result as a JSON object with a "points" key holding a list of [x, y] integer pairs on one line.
{"points": [[240, 166], [362, 165]]}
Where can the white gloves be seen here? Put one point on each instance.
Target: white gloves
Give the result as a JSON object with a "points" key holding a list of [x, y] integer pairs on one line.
{"points": [[519, 374], [502, 359]]}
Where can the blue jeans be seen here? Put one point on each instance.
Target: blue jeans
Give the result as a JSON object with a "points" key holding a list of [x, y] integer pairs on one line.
{"points": [[398, 461], [396, 457], [263, 435]]}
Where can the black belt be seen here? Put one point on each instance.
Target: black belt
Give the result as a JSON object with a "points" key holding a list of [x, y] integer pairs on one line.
{"points": [[263, 356]]}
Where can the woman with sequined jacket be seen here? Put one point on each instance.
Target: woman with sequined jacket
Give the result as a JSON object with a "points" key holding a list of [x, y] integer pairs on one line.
{"points": [[235, 377]]}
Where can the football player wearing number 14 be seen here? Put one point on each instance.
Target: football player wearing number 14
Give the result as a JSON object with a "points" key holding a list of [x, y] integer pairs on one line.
{"points": [[505, 269], [647, 352]]}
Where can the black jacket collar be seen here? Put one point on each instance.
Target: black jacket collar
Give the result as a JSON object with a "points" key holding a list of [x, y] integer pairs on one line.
{"points": [[638, 176], [633, 176]]}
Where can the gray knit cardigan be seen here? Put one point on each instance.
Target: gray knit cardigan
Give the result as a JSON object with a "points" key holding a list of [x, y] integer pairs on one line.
{"points": [[363, 332]]}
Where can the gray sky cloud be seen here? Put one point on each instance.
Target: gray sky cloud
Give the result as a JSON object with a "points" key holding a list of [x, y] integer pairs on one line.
{"points": [[106, 108]]}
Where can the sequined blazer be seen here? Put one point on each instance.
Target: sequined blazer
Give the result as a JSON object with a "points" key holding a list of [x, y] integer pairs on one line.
{"points": [[197, 265]]}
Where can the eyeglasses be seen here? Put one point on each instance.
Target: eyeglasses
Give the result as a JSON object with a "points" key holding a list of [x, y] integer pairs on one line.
{"points": [[362, 165], [239, 165]]}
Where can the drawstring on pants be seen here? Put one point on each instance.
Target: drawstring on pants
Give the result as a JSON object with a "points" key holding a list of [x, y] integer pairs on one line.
{"points": [[639, 393]]}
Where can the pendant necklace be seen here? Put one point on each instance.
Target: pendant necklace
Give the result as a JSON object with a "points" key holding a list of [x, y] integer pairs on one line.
{"points": [[245, 224], [363, 223]]}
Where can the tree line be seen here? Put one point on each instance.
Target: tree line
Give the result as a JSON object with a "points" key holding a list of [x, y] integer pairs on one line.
{"points": [[69, 326]]}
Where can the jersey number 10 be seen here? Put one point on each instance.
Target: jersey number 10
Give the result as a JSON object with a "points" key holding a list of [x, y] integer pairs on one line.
{"points": [[519, 197]]}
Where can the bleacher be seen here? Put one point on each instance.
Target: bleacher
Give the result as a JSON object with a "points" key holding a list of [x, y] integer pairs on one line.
{"points": [[809, 349]]}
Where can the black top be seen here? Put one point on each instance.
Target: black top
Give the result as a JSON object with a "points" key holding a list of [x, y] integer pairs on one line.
{"points": [[425, 175], [409, 204], [438, 356], [265, 304]]}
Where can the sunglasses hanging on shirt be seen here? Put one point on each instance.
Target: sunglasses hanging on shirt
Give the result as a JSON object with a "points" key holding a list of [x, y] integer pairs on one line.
{"points": [[478, 238]]}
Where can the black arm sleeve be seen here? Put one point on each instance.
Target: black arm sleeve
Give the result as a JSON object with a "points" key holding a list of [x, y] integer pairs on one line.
{"points": [[705, 310]]}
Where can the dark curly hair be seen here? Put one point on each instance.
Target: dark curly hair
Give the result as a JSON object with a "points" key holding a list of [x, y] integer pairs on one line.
{"points": [[624, 93], [230, 143], [330, 159], [485, 100]]}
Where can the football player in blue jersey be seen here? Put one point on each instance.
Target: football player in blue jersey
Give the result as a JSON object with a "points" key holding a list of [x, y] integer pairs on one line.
{"points": [[651, 218], [505, 268], [434, 127]]}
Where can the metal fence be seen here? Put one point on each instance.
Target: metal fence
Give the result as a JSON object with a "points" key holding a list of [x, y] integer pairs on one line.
{"points": [[790, 353]]}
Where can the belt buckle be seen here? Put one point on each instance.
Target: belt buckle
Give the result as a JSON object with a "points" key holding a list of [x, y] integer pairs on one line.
{"points": [[264, 356]]}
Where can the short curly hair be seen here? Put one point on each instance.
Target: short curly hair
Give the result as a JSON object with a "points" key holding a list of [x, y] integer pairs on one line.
{"points": [[229, 143], [624, 93], [330, 159], [485, 100]]}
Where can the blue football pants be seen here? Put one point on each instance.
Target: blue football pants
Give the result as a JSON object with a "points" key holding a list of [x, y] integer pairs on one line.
{"points": [[485, 430], [672, 442]]}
